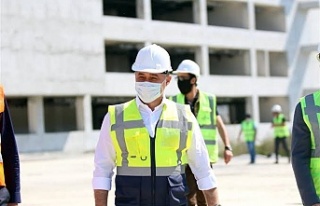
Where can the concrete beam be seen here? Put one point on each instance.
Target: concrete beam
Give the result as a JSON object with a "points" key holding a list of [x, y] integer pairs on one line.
{"points": [[309, 48], [306, 5]]}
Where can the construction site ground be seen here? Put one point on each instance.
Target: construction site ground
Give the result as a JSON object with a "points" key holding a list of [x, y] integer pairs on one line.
{"points": [[51, 179]]}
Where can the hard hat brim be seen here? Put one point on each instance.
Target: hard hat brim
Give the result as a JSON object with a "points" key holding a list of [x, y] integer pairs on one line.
{"points": [[186, 72], [154, 71]]}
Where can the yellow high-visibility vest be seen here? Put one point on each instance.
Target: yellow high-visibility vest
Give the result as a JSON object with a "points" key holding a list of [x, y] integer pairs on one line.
{"points": [[248, 130], [131, 139], [310, 106], [280, 131], [207, 119]]}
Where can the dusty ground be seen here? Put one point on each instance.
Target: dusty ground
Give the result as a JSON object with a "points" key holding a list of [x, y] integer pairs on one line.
{"points": [[57, 179]]}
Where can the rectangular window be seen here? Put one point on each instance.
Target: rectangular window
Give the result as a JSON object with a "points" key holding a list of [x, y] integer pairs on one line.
{"points": [[177, 11], [231, 110], [19, 114], [100, 108], [122, 8], [120, 56], [60, 114]]}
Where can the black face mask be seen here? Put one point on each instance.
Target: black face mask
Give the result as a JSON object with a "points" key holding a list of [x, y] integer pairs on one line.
{"points": [[184, 86]]}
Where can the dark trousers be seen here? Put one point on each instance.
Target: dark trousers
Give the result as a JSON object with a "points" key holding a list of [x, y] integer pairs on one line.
{"points": [[137, 190], [283, 142], [4, 196], [194, 195], [252, 151]]}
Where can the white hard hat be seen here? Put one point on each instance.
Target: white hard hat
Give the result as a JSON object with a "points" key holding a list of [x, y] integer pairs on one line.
{"points": [[152, 59], [188, 66], [276, 108]]}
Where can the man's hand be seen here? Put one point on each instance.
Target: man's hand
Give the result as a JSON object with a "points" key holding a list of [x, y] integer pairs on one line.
{"points": [[317, 204], [227, 156], [12, 204]]}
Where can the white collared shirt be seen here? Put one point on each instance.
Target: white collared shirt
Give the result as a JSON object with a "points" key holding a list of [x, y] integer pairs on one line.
{"points": [[105, 154]]}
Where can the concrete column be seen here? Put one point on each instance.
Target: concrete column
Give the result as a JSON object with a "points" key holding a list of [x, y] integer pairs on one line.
{"points": [[202, 58], [36, 115], [249, 107], [200, 12], [83, 113], [87, 113], [253, 62], [255, 108], [251, 16], [267, 64], [144, 9]]}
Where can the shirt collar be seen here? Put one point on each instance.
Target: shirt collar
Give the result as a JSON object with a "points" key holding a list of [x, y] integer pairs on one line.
{"points": [[143, 106]]}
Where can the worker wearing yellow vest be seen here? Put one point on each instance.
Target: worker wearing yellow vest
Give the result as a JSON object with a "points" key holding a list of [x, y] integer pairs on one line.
{"points": [[9, 158], [204, 106], [306, 147], [249, 130], [280, 130], [149, 140]]}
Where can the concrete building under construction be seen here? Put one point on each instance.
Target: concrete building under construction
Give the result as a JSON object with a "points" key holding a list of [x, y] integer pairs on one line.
{"points": [[63, 61]]}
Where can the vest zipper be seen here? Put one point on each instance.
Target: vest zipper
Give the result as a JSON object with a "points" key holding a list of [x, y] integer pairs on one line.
{"points": [[153, 170], [153, 165]]}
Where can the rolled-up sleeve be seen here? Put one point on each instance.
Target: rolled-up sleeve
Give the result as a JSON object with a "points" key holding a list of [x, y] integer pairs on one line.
{"points": [[104, 159], [198, 161]]}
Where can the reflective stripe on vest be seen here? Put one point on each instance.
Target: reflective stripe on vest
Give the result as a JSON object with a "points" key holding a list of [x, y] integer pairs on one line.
{"points": [[280, 131], [2, 179], [132, 141], [248, 130], [310, 105], [207, 120]]}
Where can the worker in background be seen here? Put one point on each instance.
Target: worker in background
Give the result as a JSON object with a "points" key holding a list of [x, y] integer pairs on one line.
{"points": [[204, 107], [9, 158], [306, 147], [249, 131], [281, 131], [149, 140]]}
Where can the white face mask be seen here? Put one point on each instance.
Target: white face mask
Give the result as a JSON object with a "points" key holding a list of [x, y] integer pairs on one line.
{"points": [[148, 91]]}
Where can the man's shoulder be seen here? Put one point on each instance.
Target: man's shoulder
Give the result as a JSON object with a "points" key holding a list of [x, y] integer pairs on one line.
{"points": [[122, 104], [208, 94], [316, 93], [170, 102], [179, 106]]}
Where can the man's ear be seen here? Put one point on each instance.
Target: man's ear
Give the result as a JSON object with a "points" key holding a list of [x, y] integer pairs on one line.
{"points": [[168, 79], [193, 80]]}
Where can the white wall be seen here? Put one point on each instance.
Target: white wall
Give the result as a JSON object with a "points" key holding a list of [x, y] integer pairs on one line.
{"points": [[51, 47]]}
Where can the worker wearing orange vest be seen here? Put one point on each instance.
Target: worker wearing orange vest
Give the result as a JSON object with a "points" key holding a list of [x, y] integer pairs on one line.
{"points": [[9, 158]]}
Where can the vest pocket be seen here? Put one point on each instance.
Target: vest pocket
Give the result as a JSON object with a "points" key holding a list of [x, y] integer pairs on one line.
{"points": [[176, 190], [127, 191]]}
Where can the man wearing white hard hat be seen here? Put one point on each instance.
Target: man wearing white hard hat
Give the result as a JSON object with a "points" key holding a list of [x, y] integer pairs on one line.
{"points": [[204, 108], [280, 131], [149, 140], [306, 147]]}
